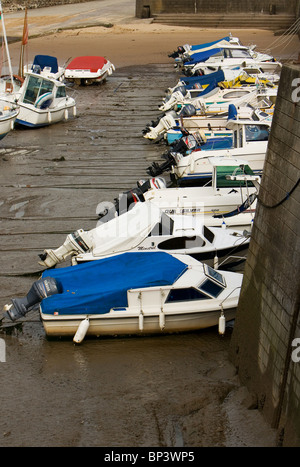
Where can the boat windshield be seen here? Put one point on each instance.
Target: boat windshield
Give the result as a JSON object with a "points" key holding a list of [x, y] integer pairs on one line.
{"points": [[239, 53], [185, 294], [222, 173], [61, 91], [36, 87], [257, 132]]}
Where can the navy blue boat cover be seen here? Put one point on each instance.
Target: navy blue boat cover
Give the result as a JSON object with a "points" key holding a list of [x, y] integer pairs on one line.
{"points": [[202, 56], [46, 60], [215, 77], [97, 286], [208, 44]]}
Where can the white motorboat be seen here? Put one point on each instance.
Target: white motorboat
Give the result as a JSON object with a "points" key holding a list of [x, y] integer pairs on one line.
{"points": [[145, 228], [229, 200], [42, 101], [229, 194], [247, 140], [131, 294], [88, 70], [8, 115], [217, 99], [213, 116], [183, 52], [228, 56]]}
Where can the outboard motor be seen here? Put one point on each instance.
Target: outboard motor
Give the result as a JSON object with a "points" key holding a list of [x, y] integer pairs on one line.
{"points": [[127, 199], [153, 123], [176, 53], [188, 110], [184, 145], [76, 242], [157, 169], [39, 290]]}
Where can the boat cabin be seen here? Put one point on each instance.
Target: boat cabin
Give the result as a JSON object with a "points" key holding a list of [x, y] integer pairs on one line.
{"points": [[247, 132], [40, 91], [201, 283]]}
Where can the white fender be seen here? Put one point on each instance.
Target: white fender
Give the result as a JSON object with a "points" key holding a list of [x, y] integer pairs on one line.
{"points": [[162, 320], [81, 331], [141, 321], [222, 323]]}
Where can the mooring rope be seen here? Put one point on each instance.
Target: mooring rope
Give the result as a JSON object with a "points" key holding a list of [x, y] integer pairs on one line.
{"points": [[282, 200]]}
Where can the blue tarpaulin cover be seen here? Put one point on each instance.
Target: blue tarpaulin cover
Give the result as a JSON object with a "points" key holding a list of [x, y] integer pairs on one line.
{"points": [[97, 286], [46, 60], [208, 44], [215, 77], [202, 56]]}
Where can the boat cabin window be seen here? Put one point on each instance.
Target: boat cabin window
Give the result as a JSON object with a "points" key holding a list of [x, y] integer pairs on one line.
{"points": [[181, 243], [218, 54], [61, 91], [215, 282], [222, 172], [185, 294], [257, 132], [214, 274], [211, 288], [208, 234], [239, 53], [36, 87], [164, 227]]}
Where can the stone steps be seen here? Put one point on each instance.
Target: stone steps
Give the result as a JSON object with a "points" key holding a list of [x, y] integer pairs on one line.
{"points": [[249, 21]]}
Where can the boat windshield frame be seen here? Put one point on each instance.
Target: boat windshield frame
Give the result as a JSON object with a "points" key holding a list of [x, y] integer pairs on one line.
{"points": [[36, 86]]}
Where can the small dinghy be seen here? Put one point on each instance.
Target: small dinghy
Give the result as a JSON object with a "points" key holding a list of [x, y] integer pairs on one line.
{"points": [[88, 70], [130, 294]]}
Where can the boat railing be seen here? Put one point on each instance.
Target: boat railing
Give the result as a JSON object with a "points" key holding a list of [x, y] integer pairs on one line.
{"points": [[230, 293], [229, 258]]}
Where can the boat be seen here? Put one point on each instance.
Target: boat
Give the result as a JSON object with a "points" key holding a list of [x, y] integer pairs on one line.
{"points": [[42, 101], [229, 200], [254, 105], [8, 110], [186, 50], [8, 115], [228, 56], [146, 228], [88, 70], [246, 139], [46, 65], [215, 89], [131, 294], [40, 95]]}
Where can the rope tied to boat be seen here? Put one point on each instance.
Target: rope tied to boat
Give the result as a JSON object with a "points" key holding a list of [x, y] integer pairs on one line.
{"points": [[286, 197]]}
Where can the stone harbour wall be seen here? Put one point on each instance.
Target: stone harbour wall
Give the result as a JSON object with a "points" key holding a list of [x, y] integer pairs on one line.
{"points": [[216, 6], [265, 344], [12, 5]]}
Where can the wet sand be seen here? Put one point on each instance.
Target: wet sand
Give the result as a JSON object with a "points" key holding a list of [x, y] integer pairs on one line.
{"points": [[163, 391]]}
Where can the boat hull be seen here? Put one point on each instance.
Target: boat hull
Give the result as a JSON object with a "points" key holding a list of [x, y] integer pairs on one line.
{"points": [[32, 117], [103, 325], [7, 123]]}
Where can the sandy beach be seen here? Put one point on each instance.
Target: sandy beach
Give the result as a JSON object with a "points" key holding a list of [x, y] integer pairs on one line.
{"points": [[118, 35]]}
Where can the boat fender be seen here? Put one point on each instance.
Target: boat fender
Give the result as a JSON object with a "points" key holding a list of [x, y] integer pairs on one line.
{"points": [[44, 101], [81, 331], [162, 321], [222, 323], [141, 321]]}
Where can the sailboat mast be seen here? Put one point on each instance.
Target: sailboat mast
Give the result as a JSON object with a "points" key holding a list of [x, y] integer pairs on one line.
{"points": [[6, 47]]}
